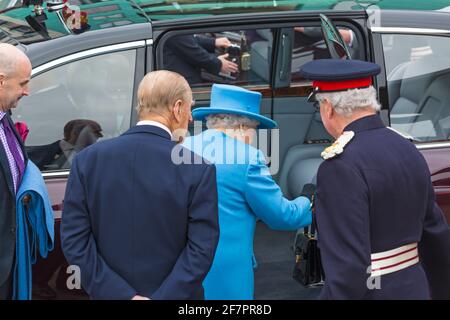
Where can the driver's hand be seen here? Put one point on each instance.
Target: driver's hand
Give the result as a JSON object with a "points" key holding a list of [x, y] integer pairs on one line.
{"points": [[227, 66]]}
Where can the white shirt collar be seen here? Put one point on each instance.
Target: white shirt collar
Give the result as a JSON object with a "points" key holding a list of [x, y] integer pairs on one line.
{"points": [[156, 124]]}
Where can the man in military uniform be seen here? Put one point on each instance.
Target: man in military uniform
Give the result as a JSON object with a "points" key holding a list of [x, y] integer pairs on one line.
{"points": [[380, 231]]}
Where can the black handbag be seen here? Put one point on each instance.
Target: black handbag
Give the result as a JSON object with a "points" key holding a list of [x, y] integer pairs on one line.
{"points": [[308, 269]]}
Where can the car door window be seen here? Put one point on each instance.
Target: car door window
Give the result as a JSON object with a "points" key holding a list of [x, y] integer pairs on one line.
{"points": [[309, 45], [200, 57], [418, 78], [74, 105]]}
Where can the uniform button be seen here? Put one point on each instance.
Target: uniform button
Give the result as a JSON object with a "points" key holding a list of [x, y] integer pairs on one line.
{"points": [[13, 230]]}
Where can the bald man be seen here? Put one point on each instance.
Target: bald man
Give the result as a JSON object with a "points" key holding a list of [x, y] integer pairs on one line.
{"points": [[15, 72]]}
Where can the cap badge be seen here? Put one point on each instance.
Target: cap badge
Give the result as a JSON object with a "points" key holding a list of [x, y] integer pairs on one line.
{"points": [[338, 146]]}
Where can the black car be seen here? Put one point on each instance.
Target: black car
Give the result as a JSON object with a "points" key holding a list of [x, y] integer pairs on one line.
{"points": [[88, 60]]}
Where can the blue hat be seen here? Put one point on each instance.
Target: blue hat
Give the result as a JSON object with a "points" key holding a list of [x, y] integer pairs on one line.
{"points": [[331, 75], [227, 99]]}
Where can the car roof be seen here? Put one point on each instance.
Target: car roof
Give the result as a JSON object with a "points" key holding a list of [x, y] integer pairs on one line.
{"points": [[167, 10], [14, 26]]}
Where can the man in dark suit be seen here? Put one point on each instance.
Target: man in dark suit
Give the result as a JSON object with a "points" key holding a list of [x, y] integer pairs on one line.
{"points": [[188, 54], [381, 233], [15, 72], [136, 223]]}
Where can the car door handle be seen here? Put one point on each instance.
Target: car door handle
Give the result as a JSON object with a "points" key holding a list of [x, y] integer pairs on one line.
{"points": [[285, 57]]}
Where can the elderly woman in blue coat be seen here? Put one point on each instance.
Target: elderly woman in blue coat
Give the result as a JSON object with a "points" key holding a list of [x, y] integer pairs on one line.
{"points": [[246, 190]]}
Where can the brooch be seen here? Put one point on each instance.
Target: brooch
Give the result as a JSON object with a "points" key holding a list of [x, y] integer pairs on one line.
{"points": [[338, 146]]}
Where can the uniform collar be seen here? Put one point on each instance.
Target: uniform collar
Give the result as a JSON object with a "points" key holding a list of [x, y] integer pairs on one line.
{"points": [[2, 114], [365, 123]]}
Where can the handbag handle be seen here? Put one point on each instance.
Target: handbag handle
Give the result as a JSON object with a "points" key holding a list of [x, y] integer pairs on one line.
{"points": [[311, 229]]}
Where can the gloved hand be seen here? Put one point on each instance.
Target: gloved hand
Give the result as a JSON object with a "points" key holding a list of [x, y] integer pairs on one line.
{"points": [[308, 191]]}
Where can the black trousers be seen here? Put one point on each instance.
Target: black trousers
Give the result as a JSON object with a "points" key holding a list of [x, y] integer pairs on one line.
{"points": [[6, 289]]}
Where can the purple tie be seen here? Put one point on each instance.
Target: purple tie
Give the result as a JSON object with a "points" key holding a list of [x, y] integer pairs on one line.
{"points": [[12, 144]]}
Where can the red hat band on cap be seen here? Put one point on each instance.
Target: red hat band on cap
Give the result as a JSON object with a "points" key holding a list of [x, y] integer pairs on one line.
{"points": [[342, 85]]}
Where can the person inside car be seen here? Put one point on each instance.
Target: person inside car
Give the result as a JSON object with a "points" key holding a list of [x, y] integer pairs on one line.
{"points": [[189, 54]]}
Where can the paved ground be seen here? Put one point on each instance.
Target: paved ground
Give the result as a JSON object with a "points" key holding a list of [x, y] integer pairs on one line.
{"points": [[273, 277]]}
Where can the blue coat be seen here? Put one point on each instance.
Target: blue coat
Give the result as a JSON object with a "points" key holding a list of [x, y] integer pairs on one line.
{"points": [[246, 193], [35, 229], [137, 223], [374, 197]]}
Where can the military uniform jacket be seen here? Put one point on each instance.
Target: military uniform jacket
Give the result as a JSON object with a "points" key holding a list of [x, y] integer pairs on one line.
{"points": [[376, 196]]}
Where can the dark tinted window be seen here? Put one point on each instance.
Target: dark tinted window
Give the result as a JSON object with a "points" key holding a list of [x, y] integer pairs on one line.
{"points": [[241, 57], [309, 45], [72, 106]]}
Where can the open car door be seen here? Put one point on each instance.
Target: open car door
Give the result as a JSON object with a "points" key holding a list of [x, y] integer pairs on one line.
{"points": [[333, 39]]}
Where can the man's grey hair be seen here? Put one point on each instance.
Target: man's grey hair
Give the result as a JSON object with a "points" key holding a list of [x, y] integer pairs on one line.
{"points": [[346, 102], [230, 121], [159, 90]]}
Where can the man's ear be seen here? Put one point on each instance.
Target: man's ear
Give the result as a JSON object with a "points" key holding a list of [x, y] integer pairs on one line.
{"points": [[328, 108], [176, 110]]}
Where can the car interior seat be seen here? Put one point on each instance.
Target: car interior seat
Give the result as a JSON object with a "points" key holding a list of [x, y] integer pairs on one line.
{"points": [[302, 160], [407, 86], [433, 121]]}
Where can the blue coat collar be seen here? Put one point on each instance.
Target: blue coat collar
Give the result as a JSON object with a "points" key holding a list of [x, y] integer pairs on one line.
{"points": [[148, 129], [365, 123]]}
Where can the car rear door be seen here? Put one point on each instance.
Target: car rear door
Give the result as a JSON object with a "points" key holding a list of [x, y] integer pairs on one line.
{"points": [[414, 48]]}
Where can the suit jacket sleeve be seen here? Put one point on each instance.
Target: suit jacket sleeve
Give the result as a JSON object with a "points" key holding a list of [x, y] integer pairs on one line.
{"points": [[342, 212], [434, 249], [265, 198], [193, 264], [79, 247], [189, 49], [208, 43]]}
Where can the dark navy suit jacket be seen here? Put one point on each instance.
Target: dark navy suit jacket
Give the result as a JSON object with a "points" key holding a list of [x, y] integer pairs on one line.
{"points": [[188, 54], [7, 211], [377, 196], [136, 223]]}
